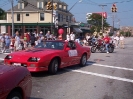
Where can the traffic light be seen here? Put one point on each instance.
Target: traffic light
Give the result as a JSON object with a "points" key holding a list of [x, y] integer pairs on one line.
{"points": [[114, 8], [55, 6], [49, 6]]}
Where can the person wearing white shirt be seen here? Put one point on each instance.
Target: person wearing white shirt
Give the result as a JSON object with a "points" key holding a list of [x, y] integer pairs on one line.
{"points": [[72, 36], [122, 41], [68, 37], [116, 38]]}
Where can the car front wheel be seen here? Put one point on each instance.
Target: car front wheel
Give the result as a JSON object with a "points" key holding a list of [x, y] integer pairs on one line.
{"points": [[83, 60], [14, 95], [53, 67]]}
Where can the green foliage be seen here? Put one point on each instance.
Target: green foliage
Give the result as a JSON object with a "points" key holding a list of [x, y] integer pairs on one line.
{"points": [[96, 21], [126, 34], [92, 29], [2, 14]]}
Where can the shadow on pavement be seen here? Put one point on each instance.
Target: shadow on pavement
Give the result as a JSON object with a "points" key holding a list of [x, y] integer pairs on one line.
{"points": [[35, 98], [61, 71]]}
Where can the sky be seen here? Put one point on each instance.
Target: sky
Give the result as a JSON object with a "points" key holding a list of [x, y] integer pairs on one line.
{"points": [[123, 16]]}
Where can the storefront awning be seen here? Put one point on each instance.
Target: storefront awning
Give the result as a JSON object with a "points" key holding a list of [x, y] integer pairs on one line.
{"points": [[77, 30]]}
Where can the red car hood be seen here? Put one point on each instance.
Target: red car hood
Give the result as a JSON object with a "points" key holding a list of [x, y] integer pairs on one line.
{"points": [[5, 69], [25, 55]]}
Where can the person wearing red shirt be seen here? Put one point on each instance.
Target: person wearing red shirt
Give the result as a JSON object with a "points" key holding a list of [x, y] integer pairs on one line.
{"points": [[107, 41]]}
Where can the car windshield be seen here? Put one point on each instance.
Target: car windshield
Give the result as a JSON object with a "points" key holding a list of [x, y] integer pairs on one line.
{"points": [[51, 45]]}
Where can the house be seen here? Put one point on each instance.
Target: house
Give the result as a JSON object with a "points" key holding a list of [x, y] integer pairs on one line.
{"points": [[36, 15]]}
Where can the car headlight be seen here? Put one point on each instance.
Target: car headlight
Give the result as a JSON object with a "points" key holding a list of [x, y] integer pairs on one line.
{"points": [[34, 59], [8, 57]]}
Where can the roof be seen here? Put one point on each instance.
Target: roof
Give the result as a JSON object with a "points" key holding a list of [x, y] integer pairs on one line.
{"points": [[32, 5]]}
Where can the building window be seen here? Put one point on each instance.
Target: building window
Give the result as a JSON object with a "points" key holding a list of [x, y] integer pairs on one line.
{"points": [[18, 17], [20, 5], [41, 16], [60, 6], [66, 18], [64, 7], [27, 14], [61, 18], [40, 5]]}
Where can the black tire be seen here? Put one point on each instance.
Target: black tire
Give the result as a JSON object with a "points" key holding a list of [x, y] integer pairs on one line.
{"points": [[83, 60], [111, 49], [14, 95], [53, 67], [93, 49]]}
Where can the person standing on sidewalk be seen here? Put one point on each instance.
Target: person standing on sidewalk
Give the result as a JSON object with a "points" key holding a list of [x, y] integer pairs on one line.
{"points": [[122, 41], [117, 40], [2, 42], [7, 42], [72, 36], [68, 36], [17, 42]]}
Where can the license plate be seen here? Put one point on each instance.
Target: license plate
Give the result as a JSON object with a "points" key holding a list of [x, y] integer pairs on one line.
{"points": [[18, 64]]}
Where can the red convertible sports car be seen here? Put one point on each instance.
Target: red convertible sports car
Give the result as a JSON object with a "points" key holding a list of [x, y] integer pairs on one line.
{"points": [[15, 82], [50, 55]]}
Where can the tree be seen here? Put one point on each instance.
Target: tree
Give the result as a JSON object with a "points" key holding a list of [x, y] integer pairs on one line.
{"points": [[2, 14], [96, 21]]}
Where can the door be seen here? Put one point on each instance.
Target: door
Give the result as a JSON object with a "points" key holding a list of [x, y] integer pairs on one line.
{"points": [[73, 53]]}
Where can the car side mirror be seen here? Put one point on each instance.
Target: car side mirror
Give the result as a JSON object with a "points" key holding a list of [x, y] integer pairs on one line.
{"points": [[67, 49]]}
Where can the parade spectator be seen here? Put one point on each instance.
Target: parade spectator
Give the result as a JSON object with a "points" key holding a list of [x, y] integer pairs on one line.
{"points": [[85, 41], [68, 36], [122, 41], [48, 34], [72, 36], [25, 40], [60, 37], [35, 34], [28, 38], [17, 41], [77, 40], [32, 40], [7, 42], [87, 36], [116, 40], [12, 44], [2, 42]]}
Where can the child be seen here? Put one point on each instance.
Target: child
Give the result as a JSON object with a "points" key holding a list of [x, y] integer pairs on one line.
{"points": [[12, 44]]}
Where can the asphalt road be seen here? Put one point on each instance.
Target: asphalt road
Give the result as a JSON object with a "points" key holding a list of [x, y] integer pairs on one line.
{"points": [[106, 76]]}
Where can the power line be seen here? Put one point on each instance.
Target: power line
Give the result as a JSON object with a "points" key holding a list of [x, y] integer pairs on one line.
{"points": [[119, 2], [4, 3]]}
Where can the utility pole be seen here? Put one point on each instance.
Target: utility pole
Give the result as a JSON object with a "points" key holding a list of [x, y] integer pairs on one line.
{"points": [[102, 15], [52, 18], [12, 11], [119, 23], [79, 1]]}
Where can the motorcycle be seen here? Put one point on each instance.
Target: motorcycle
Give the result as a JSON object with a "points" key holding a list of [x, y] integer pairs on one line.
{"points": [[100, 46]]}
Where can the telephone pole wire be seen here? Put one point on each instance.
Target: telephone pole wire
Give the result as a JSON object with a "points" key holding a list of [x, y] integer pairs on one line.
{"points": [[102, 15]]}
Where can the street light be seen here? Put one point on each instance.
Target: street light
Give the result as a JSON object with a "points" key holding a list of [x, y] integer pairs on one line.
{"points": [[75, 4], [79, 1]]}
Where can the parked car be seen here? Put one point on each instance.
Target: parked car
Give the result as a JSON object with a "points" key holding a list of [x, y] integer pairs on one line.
{"points": [[15, 82], [50, 55]]}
